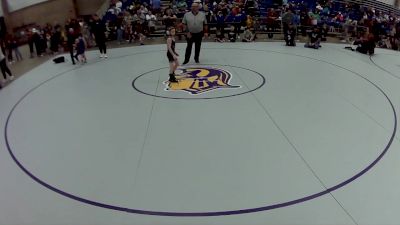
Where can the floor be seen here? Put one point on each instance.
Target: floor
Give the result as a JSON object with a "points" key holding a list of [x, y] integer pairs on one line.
{"points": [[258, 133]]}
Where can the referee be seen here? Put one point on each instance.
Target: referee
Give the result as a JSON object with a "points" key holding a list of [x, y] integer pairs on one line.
{"points": [[195, 24]]}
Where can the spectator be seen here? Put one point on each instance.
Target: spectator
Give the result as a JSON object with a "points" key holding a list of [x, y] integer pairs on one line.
{"points": [[238, 21], [169, 19], [248, 36], [120, 33], [36, 41], [287, 18], [15, 48], [80, 49], [138, 33], [304, 22], [151, 21], [9, 48], [71, 38], [42, 43], [314, 39], [4, 69], [365, 45], [87, 35], [99, 30], [31, 42], [232, 34], [291, 35], [271, 22], [55, 40], [220, 20], [120, 29], [249, 22], [219, 37]]}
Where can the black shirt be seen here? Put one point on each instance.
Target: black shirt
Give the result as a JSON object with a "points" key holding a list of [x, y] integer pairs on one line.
{"points": [[98, 29], [314, 36]]}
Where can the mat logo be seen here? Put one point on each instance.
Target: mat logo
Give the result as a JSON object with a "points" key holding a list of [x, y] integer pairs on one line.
{"points": [[199, 80]]}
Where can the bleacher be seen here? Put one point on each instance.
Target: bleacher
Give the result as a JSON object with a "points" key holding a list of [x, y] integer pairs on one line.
{"points": [[260, 14]]}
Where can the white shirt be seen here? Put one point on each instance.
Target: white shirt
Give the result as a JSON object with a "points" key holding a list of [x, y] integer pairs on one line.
{"points": [[151, 19]]}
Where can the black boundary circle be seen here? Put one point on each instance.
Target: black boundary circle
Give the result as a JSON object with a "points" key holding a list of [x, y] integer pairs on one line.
{"points": [[216, 213], [263, 82], [380, 67]]}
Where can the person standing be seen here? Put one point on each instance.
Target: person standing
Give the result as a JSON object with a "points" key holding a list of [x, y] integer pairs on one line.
{"points": [[98, 31], [9, 50], [172, 55], [287, 18], [80, 49], [15, 47], [31, 42], [195, 24], [4, 69], [71, 37], [36, 41], [55, 40]]}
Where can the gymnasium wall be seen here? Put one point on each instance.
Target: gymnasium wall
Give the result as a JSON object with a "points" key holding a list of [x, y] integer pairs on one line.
{"points": [[42, 13], [389, 2], [14, 5], [88, 7], [21, 12]]}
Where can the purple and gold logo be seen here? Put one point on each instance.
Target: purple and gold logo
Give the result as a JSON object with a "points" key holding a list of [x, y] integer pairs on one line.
{"points": [[199, 80]]}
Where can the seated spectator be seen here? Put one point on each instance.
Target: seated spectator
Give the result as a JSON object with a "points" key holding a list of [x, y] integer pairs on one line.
{"points": [[169, 19], [232, 34], [138, 33], [114, 10], [324, 32], [180, 29], [304, 21], [290, 36], [239, 19], [248, 36], [249, 22], [271, 22], [219, 37], [314, 39], [129, 31], [181, 4], [151, 22], [220, 20], [364, 45]]}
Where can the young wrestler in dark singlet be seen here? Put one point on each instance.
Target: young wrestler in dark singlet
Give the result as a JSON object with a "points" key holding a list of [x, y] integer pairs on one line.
{"points": [[172, 55]]}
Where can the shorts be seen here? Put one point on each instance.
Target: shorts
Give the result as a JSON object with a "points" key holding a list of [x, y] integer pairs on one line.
{"points": [[170, 57]]}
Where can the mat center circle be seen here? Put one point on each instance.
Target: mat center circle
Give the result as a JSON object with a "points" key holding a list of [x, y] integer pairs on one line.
{"points": [[210, 81]]}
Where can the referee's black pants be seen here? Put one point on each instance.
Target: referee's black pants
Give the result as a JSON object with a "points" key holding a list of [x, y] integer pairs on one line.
{"points": [[196, 39]]}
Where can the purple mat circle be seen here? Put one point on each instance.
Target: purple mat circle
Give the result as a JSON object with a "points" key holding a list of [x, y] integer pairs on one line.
{"points": [[263, 82], [215, 213]]}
